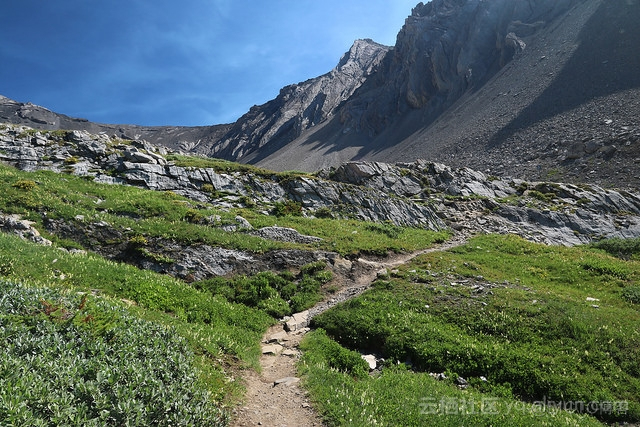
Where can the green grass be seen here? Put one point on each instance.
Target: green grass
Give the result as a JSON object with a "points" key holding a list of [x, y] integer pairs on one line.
{"points": [[532, 329], [153, 214], [400, 397], [169, 216], [233, 329], [224, 337], [622, 248], [278, 295], [350, 237], [225, 166]]}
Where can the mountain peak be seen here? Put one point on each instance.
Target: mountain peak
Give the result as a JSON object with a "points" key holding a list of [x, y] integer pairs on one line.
{"points": [[361, 56]]}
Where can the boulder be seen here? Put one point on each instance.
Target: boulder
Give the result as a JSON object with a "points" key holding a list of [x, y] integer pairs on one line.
{"points": [[297, 321]]}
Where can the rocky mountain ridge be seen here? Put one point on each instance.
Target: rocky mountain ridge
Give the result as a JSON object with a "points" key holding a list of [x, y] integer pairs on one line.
{"points": [[417, 194], [530, 89], [535, 89]]}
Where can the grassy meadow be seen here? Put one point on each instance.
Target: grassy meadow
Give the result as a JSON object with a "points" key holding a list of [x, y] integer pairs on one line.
{"points": [[497, 332], [87, 339], [521, 323]]}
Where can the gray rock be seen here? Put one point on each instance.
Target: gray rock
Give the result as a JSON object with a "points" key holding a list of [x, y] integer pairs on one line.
{"points": [[272, 349], [284, 234], [139, 157], [286, 381], [297, 321], [300, 106], [243, 224], [23, 228]]}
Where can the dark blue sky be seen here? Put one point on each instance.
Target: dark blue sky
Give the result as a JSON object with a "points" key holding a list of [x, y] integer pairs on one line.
{"points": [[186, 62]]}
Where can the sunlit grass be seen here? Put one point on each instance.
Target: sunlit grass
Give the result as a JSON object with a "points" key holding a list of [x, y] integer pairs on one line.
{"points": [[535, 321]]}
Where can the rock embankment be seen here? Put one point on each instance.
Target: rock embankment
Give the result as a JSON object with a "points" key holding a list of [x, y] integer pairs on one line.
{"points": [[418, 194]]}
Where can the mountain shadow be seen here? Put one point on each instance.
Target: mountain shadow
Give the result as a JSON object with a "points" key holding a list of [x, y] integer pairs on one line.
{"points": [[607, 61]]}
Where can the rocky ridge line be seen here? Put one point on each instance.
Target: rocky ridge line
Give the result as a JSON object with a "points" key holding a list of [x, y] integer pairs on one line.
{"points": [[418, 194]]}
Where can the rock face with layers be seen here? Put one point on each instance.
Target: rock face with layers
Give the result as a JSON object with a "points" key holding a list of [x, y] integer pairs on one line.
{"points": [[300, 106], [446, 48], [524, 88], [416, 194]]}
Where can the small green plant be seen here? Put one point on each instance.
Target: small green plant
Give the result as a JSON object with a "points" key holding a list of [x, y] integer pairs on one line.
{"points": [[622, 248], [89, 362], [25, 184], [544, 197], [632, 294], [247, 201], [72, 160], [288, 208], [323, 212], [194, 216], [138, 241]]}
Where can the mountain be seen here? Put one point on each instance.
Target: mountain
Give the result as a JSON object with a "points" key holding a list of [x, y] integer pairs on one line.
{"points": [[534, 89], [299, 107], [186, 138], [540, 89]]}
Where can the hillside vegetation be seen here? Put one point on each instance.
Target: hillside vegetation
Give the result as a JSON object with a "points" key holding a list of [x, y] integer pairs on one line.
{"points": [[503, 318], [91, 341], [499, 331]]}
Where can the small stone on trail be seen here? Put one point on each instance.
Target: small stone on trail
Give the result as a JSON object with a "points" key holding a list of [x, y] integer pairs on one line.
{"points": [[272, 349], [286, 381]]}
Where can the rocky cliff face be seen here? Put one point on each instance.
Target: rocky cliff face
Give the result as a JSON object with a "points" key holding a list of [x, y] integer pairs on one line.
{"points": [[416, 194], [524, 88], [298, 107], [446, 48], [533, 89], [565, 107]]}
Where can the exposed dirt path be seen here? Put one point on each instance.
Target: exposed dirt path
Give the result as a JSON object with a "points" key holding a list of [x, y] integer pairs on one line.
{"points": [[274, 397]]}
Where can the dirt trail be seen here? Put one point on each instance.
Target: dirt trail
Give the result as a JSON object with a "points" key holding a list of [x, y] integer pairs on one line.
{"points": [[274, 397]]}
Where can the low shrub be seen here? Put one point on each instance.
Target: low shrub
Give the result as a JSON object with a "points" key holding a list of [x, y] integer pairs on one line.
{"points": [[78, 360], [25, 184], [632, 294], [287, 208], [277, 294], [622, 248]]}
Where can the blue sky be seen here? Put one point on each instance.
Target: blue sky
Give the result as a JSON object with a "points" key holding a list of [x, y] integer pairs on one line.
{"points": [[177, 62]]}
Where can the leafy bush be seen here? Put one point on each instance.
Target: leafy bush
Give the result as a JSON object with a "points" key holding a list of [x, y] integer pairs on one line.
{"points": [[287, 208], [25, 184], [323, 212], [386, 228], [194, 216], [277, 294], [603, 267], [632, 294], [622, 248], [71, 360]]}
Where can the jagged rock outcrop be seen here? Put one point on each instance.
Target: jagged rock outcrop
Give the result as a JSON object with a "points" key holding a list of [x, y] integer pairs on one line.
{"points": [[565, 107], [298, 107], [472, 202], [185, 138], [445, 48], [417, 194], [141, 164]]}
